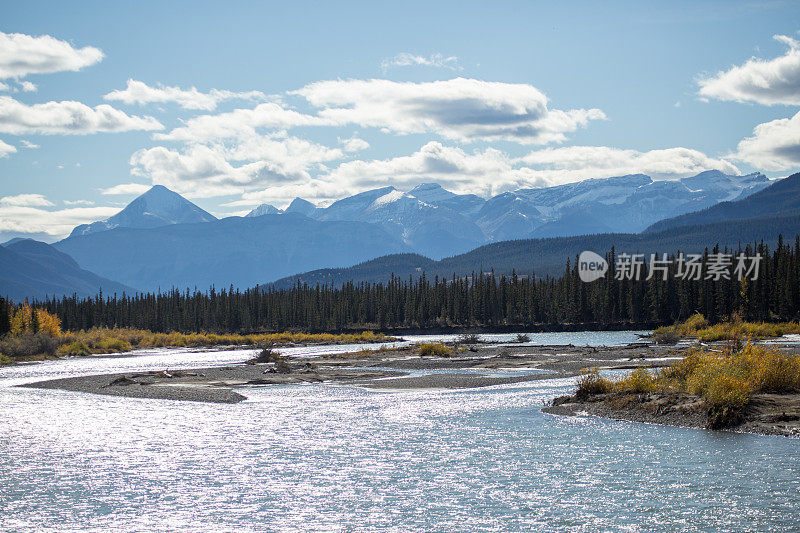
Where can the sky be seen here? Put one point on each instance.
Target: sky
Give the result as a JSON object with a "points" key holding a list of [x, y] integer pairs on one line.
{"points": [[239, 103]]}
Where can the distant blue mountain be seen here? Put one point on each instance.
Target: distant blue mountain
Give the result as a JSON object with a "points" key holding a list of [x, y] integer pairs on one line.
{"points": [[33, 269], [438, 223], [238, 251], [626, 204]]}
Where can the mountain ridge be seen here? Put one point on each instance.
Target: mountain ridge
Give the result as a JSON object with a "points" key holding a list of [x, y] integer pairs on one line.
{"points": [[782, 197], [33, 269]]}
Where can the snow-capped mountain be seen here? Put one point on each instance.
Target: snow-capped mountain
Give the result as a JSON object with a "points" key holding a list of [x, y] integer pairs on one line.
{"points": [[434, 194], [427, 225], [264, 209], [625, 204], [157, 207]]}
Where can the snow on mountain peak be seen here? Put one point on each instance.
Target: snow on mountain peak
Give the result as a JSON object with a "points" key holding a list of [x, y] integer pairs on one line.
{"points": [[159, 206], [431, 192], [264, 209], [388, 198]]}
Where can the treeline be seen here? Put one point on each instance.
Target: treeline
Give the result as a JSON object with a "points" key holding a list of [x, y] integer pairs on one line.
{"points": [[479, 300]]}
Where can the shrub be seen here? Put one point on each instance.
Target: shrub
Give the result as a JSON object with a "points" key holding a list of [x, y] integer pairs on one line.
{"points": [[591, 382], [468, 338], [769, 370], [112, 345], [666, 335], [693, 324], [28, 345], [437, 349], [74, 348], [523, 337], [675, 375], [266, 355]]}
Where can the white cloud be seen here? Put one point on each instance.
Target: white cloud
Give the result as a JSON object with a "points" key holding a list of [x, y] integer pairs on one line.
{"points": [[293, 154], [140, 93], [6, 149], [4, 86], [126, 189], [462, 109], [574, 163], [239, 123], [206, 171], [769, 82], [198, 172], [26, 200], [28, 87], [54, 223], [486, 172], [78, 202], [404, 59], [774, 145], [28, 144], [22, 54], [354, 144], [67, 118]]}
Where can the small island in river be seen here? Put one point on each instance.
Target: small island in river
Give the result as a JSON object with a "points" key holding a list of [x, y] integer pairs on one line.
{"points": [[473, 365]]}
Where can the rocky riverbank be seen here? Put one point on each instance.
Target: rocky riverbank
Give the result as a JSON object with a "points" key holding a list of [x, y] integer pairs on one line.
{"points": [[762, 410], [767, 414]]}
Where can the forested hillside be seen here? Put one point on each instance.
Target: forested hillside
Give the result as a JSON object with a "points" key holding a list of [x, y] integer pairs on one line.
{"points": [[546, 256], [479, 299]]}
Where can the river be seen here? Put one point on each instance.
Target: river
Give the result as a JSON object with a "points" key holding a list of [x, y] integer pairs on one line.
{"points": [[340, 458]]}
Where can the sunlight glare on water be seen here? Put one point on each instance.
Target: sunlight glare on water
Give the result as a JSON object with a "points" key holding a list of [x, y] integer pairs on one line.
{"points": [[333, 457]]}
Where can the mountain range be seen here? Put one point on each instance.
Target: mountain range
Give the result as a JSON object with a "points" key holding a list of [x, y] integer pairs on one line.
{"points": [[764, 216], [161, 240], [780, 199], [438, 223]]}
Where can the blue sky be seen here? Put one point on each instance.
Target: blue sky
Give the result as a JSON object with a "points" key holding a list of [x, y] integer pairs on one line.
{"points": [[328, 99]]}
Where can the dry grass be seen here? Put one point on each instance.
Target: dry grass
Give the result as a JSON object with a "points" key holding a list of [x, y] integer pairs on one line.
{"points": [[105, 340], [435, 348], [591, 382], [730, 330], [733, 330], [726, 382]]}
